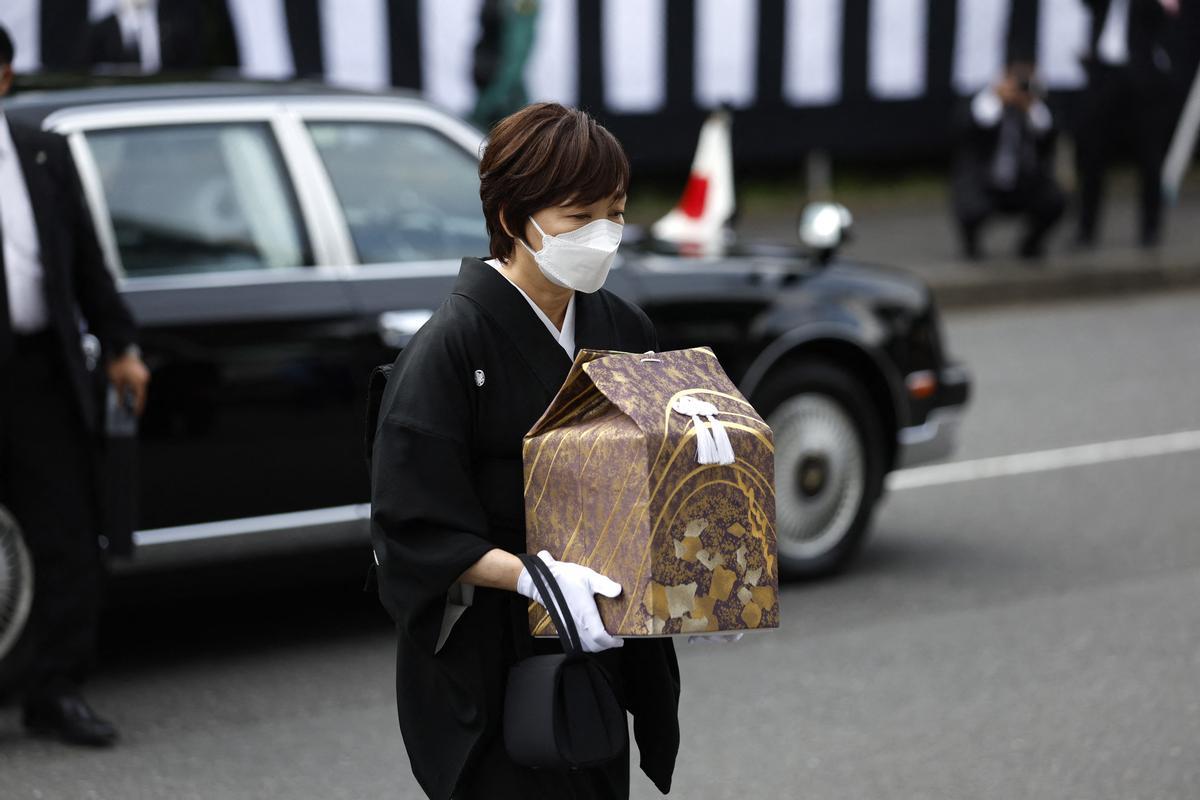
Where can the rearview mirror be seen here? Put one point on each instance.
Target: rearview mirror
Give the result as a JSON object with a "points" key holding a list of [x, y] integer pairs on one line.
{"points": [[824, 227]]}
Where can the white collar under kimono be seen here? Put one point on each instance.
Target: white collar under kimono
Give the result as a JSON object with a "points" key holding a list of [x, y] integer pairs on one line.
{"points": [[565, 337]]}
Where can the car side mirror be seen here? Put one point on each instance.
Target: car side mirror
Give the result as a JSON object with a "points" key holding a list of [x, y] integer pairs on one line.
{"points": [[824, 227]]}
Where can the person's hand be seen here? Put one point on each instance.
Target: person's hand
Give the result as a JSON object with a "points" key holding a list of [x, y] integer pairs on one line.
{"points": [[579, 585], [1007, 91], [1012, 95], [127, 373]]}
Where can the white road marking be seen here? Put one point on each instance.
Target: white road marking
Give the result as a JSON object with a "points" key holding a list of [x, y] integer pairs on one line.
{"points": [[1044, 460]]}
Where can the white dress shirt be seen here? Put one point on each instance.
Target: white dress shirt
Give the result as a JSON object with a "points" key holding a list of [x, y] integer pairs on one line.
{"points": [[987, 108], [22, 257], [564, 337], [1113, 44]]}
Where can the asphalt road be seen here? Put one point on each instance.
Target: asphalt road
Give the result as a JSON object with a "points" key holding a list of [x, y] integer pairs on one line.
{"points": [[1034, 634]]}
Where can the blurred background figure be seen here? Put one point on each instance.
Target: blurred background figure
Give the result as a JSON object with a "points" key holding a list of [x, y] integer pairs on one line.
{"points": [[1127, 100], [159, 35], [129, 35], [507, 29], [50, 265], [1005, 161]]}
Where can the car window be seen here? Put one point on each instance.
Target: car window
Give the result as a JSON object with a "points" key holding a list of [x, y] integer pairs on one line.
{"points": [[408, 192], [199, 198]]}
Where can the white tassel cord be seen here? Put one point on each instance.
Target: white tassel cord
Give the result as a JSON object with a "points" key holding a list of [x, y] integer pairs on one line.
{"points": [[706, 448], [712, 440], [721, 439]]}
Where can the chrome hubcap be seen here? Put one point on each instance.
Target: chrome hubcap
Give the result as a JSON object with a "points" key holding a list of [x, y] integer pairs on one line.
{"points": [[812, 475], [820, 474], [16, 583]]}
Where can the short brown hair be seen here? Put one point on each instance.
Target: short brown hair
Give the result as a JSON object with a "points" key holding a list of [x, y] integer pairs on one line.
{"points": [[546, 155]]}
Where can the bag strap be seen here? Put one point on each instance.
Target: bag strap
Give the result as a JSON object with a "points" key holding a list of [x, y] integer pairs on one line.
{"points": [[376, 385], [554, 602]]}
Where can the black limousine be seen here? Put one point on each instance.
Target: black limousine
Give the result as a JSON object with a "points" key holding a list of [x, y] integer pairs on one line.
{"points": [[276, 242]]}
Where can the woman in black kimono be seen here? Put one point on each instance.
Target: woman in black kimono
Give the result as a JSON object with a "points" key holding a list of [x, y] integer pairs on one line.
{"points": [[447, 499]]}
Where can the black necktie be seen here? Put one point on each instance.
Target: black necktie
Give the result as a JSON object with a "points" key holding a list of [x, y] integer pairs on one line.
{"points": [[1006, 162]]}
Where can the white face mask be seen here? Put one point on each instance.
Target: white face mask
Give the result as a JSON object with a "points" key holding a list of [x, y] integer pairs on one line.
{"points": [[579, 259]]}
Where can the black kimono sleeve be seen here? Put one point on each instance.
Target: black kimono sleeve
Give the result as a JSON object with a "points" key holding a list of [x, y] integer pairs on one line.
{"points": [[427, 523]]}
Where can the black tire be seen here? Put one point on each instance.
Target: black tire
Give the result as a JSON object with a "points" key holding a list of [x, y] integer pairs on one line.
{"points": [[16, 598], [830, 455]]}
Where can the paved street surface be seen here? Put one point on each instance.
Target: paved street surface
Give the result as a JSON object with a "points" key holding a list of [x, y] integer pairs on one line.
{"points": [[1032, 635]]}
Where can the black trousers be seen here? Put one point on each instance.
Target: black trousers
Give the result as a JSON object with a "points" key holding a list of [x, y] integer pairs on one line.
{"points": [[46, 481], [1119, 107], [1039, 201]]}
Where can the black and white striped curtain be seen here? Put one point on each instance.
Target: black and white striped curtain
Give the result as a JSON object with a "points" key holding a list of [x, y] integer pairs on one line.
{"points": [[862, 76]]}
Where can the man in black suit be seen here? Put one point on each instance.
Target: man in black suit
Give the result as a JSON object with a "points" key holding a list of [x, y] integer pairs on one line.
{"points": [[163, 35], [50, 266], [1127, 99], [1005, 161]]}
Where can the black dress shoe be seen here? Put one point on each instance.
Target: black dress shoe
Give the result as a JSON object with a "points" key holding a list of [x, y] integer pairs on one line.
{"points": [[970, 243], [1031, 250], [68, 717], [1083, 242]]}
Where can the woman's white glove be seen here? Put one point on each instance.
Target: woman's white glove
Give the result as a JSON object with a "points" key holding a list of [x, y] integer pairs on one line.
{"points": [[579, 585]]}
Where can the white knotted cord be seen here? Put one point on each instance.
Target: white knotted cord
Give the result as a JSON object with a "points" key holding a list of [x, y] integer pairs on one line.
{"points": [[712, 440]]}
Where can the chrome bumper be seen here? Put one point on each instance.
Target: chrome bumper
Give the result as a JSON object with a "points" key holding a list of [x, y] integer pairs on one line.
{"points": [[237, 539], [932, 440], [936, 437]]}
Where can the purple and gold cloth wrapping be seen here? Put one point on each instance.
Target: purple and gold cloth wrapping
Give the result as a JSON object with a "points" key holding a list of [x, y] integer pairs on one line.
{"points": [[613, 481]]}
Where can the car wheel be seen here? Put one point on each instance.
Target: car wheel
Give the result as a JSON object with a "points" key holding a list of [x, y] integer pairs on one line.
{"points": [[829, 465], [16, 594]]}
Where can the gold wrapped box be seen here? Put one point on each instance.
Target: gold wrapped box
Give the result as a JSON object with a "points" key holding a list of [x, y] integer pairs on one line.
{"points": [[653, 469]]}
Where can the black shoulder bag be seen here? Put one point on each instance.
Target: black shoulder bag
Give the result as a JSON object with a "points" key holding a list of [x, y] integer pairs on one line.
{"points": [[560, 711]]}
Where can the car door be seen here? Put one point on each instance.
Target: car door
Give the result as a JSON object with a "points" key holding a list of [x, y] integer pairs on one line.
{"points": [[408, 187], [250, 422]]}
